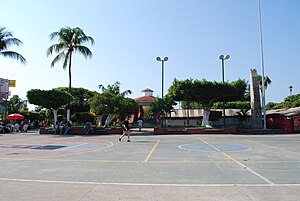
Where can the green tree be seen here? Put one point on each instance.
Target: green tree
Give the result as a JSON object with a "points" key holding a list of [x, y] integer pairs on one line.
{"points": [[127, 107], [6, 41], [183, 91], [244, 106], [270, 105], [206, 93], [113, 106], [292, 101], [105, 104], [50, 99], [267, 81], [163, 107], [80, 100], [288, 102], [16, 104], [114, 89], [70, 40]]}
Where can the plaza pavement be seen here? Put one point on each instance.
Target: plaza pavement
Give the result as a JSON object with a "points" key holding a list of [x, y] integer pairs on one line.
{"points": [[152, 167]]}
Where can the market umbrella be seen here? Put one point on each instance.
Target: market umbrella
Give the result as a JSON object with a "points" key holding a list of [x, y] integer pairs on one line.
{"points": [[15, 117]]}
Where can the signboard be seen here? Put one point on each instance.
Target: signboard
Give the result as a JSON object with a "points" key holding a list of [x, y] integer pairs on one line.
{"points": [[4, 88], [12, 83], [296, 123], [4, 85]]}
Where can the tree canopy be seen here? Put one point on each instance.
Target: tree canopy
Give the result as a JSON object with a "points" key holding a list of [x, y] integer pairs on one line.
{"points": [[113, 103], [114, 89], [80, 98], [289, 102], [207, 92], [50, 99]]}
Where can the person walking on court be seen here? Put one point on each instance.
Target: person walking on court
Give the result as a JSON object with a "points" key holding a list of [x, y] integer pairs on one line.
{"points": [[140, 124], [126, 129]]}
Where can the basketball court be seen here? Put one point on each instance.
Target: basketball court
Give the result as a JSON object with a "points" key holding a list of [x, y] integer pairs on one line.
{"points": [[151, 167]]}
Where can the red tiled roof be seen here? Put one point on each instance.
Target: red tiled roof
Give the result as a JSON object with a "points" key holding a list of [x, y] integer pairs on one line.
{"points": [[144, 99]]}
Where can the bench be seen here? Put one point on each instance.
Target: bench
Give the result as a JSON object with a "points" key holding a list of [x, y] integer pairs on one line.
{"points": [[50, 130], [176, 130], [99, 130]]}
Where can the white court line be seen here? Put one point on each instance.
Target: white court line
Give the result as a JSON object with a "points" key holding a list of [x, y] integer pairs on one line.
{"points": [[238, 162], [146, 184]]}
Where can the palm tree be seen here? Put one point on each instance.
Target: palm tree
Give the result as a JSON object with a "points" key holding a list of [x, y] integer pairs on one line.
{"points": [[70, 41], [267, 81], [114, 89], [7, 40]]}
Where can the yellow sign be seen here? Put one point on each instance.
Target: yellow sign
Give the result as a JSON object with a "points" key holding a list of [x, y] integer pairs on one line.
{"points": [[12, 83]]}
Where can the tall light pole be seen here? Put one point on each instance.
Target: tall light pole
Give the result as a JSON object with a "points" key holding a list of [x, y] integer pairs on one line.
{"points": [[223, 58], [162, 73], [291, 90], [162, 79], [262, 66]]}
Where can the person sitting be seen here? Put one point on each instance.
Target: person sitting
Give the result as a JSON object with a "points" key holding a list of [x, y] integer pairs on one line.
{"points": [[17, 127], [56, 128], [87, 128], [68, 127], [25, 128]]}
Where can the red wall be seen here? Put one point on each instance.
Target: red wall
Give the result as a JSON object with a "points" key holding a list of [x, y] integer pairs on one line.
{"points": [[285, 124]]}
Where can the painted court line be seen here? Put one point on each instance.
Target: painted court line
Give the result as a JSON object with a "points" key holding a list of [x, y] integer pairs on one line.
{"points": [[151, 152], [145, 184], [239, 163], [270, 146]]}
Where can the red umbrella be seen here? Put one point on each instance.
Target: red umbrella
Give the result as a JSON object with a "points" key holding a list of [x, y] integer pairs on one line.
{"points": [[14, 116]]}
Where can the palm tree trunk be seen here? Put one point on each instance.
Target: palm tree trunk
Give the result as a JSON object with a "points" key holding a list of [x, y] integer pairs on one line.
{"points": [[70, 87]]}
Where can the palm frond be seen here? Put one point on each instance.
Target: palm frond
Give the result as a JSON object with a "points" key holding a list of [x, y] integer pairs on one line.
{"points": [[12, 41], [54, 35], [125, 93], [85, 39], [50, 50], [4, 33], [86, 52], [66, 60], [56, 48], [14, 55], [57, 59]]}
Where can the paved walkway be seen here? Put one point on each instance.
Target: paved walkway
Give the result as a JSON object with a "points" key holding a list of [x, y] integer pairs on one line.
{"points": [[195, 167]]}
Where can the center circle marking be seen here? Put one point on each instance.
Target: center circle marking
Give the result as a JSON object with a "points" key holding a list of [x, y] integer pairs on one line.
{"points": [[207, 148]]}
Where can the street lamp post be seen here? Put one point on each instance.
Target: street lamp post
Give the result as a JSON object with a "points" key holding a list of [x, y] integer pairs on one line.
{"points": [[162, 73], [291, 90], [262, 65], [162, 80], [223, 58]]}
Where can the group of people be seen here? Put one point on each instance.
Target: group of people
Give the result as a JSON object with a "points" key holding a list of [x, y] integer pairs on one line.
{"points": [[62, 128], [9, 127]]}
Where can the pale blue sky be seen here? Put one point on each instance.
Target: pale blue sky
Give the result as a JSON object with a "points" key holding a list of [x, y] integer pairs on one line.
{"points": [[130, 34]]}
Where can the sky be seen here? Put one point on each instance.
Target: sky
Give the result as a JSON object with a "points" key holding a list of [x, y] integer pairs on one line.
{"points": [[130, 34]]}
